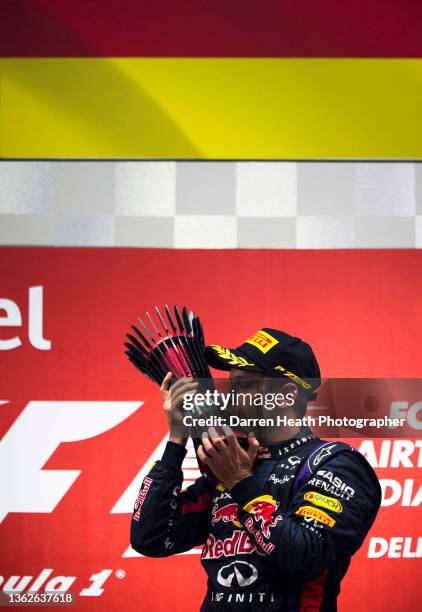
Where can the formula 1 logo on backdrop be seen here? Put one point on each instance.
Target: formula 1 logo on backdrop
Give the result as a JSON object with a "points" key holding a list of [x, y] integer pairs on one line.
{"points": [[408, 410], [41, 427]]}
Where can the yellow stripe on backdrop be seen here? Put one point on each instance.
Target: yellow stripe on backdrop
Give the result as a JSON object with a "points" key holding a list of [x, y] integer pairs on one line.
{"points": [[211, 108]]}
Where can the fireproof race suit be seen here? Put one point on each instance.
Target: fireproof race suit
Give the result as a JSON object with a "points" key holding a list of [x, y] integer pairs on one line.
{"points": [[281, 539]]}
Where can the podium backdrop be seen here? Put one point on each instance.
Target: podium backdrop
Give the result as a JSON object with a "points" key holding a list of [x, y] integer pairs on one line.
{"points": [[79, 425]]}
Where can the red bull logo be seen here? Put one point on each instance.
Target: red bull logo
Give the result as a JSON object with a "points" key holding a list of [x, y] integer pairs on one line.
{"points": [[263, 509], [237, 544], [141, 497], [227, 514]]}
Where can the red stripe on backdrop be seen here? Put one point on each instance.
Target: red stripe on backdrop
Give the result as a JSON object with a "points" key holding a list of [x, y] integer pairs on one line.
{"points": [[360, 310], [239, 28]]}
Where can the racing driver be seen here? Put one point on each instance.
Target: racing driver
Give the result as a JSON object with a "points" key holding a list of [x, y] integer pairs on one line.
{"points": [[282, 517]]}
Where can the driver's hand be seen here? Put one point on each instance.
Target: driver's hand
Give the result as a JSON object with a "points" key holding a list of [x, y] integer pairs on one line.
{"points": [[173, 405]]}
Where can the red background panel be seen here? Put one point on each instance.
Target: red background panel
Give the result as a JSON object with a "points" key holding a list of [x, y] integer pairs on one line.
{"points": [[360, 310], [238, 28]]}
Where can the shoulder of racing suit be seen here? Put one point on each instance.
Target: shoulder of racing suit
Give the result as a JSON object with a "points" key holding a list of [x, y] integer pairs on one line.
{"points": [[334, 500], [324, 451]]}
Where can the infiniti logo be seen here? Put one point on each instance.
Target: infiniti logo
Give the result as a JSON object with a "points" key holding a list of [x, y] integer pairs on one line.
{"points": [[237, 573]]}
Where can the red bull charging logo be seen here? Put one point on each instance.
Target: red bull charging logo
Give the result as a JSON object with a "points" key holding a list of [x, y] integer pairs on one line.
{"points": [[263, 509], [227, 514]]}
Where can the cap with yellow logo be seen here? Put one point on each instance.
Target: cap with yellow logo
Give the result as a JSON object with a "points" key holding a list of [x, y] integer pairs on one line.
{"points": [[273, 353]]}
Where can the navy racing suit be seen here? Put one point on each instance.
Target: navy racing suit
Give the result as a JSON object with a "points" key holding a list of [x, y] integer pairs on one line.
{"points": [[281, 539]]}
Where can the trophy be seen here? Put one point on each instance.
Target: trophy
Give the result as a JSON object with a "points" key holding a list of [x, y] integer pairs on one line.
{"points": [[177, 348]]}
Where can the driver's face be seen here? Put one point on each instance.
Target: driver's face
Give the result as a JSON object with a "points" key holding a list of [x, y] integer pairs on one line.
{"points": [[245, 383]]}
